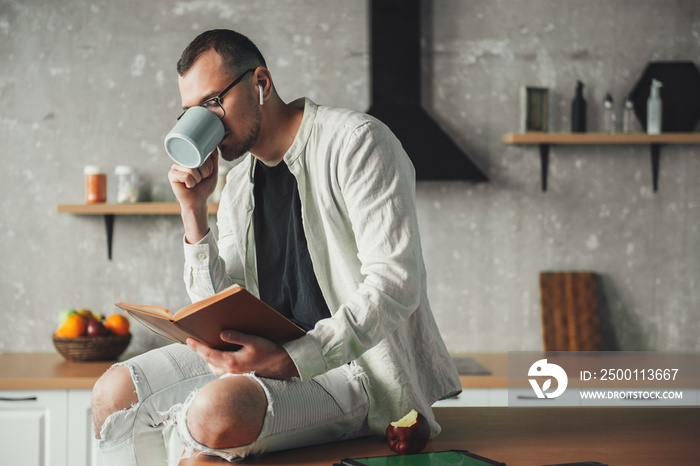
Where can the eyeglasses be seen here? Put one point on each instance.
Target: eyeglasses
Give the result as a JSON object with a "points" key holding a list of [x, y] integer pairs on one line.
{"points": [[214, 104]]}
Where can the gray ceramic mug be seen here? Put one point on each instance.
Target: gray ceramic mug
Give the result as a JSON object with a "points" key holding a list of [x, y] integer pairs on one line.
{"points": [[194, 137]]}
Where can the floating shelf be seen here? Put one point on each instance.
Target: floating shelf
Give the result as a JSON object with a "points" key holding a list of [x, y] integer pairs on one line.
{"points": [[544, 140], [138, 208]]}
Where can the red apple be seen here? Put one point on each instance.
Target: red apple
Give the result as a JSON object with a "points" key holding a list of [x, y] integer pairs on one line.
{"points": [[95, 328], [409, 434]]}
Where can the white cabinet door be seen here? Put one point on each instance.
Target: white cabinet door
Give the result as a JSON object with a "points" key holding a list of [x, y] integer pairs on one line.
{"points": [[33, 427], [83, 446]]}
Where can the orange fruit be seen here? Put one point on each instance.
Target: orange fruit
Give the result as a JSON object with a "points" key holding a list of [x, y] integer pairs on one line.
{"points": [[74, 326], [117, 324]]}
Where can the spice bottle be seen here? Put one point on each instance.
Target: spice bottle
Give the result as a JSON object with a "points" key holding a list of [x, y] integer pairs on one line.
{"points": [[127, 187], [95, 184]]}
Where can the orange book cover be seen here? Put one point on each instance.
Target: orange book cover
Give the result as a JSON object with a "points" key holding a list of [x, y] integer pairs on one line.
{"points": [[233, 308]]}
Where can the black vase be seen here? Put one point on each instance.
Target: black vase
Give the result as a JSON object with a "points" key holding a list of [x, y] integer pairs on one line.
{"points": [[578, 110]]}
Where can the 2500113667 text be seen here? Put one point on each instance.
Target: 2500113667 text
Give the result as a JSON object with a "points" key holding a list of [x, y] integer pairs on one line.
{"points": [[631, 374]]}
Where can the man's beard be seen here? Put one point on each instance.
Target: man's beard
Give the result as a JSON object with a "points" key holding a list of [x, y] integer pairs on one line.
{"points": [[237, 149]]}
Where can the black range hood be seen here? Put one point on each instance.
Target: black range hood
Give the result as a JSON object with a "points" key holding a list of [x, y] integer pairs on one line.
{"points": [[396, 93]]}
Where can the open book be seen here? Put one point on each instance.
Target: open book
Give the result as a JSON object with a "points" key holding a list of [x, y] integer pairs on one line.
{"points": [[233, 308]]}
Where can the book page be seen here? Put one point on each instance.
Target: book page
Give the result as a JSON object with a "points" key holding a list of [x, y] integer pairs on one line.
{"points": [[163, 327], [156, 311], [194, 307], [233, 308]]}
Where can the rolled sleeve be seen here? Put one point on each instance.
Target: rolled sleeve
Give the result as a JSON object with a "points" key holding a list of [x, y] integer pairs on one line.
{"points": [[200, 260], [307, 357], [202, 254]]}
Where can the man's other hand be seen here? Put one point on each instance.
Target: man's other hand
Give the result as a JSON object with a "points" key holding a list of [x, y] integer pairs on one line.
{"points": [[264, 357]]}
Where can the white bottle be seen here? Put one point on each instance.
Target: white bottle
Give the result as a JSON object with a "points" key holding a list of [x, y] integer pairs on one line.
{"points": [[654, 107]]}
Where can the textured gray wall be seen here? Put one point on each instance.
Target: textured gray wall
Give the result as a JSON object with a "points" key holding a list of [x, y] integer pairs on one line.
{"points": [[94, 82]]}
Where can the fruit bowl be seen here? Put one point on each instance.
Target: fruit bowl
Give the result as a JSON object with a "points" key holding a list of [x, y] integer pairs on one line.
{"points": [[101, 348]]}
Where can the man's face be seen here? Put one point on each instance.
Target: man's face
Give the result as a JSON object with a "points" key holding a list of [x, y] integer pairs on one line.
{"points": [[242, 120]]}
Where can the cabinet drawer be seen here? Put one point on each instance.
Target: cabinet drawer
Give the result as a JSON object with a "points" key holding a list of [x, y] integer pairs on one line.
{"points": [[33, 427]]}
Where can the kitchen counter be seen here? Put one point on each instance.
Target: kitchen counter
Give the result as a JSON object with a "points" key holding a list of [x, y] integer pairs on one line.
{"points": [[495, 363], [530, 437], [39, 371], [47, 371], [517, 436]]}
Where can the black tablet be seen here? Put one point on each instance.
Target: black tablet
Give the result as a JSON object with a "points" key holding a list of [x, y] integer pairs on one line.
{"points": [[439, 458]]}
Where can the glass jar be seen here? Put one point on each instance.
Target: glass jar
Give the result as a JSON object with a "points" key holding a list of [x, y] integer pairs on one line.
{"points": [[609, 123], [127, 187], [95, 184], [629, 120]]}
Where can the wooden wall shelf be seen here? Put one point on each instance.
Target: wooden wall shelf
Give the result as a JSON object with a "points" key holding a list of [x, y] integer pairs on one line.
{"points": [[545, 140], [138, 208], [110, 210]]}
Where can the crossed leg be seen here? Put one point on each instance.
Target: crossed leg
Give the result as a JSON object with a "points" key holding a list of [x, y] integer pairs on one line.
{"points": [[136, 407], [159, 404], [227, 413]]}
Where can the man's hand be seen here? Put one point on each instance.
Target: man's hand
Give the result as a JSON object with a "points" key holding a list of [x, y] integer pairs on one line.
{"points": [[192, 188], [263, 356]]}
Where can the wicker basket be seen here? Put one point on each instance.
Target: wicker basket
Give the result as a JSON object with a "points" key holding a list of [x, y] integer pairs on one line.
{"points": [[104, 348]]}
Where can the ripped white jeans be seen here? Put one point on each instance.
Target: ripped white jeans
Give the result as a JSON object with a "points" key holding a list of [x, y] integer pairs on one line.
{"points": [[330, 407]]}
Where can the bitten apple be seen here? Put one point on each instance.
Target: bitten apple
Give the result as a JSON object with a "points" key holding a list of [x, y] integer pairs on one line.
{"points": [[409, 434]]}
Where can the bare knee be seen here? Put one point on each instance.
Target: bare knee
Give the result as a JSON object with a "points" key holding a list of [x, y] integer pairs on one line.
{"points": [[227, 412], [112, 392]]}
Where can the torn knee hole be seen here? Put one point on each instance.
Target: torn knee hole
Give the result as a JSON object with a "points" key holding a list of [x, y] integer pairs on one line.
{"points": [[114, 393], [122, 415]]}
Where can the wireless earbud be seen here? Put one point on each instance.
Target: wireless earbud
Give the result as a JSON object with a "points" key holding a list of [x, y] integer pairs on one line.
{"points": [[261, 94]]}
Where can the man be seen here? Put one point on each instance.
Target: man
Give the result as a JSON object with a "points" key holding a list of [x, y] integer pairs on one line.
{"points": [[319, 220]]}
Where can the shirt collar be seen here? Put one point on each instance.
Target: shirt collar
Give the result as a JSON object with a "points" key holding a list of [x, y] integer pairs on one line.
{"points": [[302, 137], [304, 132]]}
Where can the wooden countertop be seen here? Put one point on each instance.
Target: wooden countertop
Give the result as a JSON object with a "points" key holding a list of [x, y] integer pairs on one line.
{"points": [[40, 371], [531, 436], [496, 363], [517, 436], [47, 371]]}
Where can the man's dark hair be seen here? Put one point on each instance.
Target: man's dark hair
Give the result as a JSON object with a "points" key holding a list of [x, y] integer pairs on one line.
{"points": [[237, 51]]}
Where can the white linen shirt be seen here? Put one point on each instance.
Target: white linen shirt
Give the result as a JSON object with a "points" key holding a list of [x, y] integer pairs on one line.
{"points": [[357, 191]]}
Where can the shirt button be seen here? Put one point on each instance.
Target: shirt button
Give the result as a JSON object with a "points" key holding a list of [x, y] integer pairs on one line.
{"points": [[202, 256]]}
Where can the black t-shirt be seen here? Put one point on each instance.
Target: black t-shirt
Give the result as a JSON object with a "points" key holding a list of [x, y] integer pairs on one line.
{"points": [[286, 278]]}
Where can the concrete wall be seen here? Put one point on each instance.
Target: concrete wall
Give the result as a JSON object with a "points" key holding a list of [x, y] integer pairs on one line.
{"points": [[94, 83]]}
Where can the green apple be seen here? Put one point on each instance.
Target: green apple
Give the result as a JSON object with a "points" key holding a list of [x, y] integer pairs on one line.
{"points": [[64, 315]]}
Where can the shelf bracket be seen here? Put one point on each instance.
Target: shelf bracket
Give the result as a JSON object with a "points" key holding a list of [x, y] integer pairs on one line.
{"points": [[109, 229], [544, 164], [655, 156]]}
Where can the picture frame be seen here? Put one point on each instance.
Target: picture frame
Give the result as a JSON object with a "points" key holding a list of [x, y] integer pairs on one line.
{"points": [[534, 109]]}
